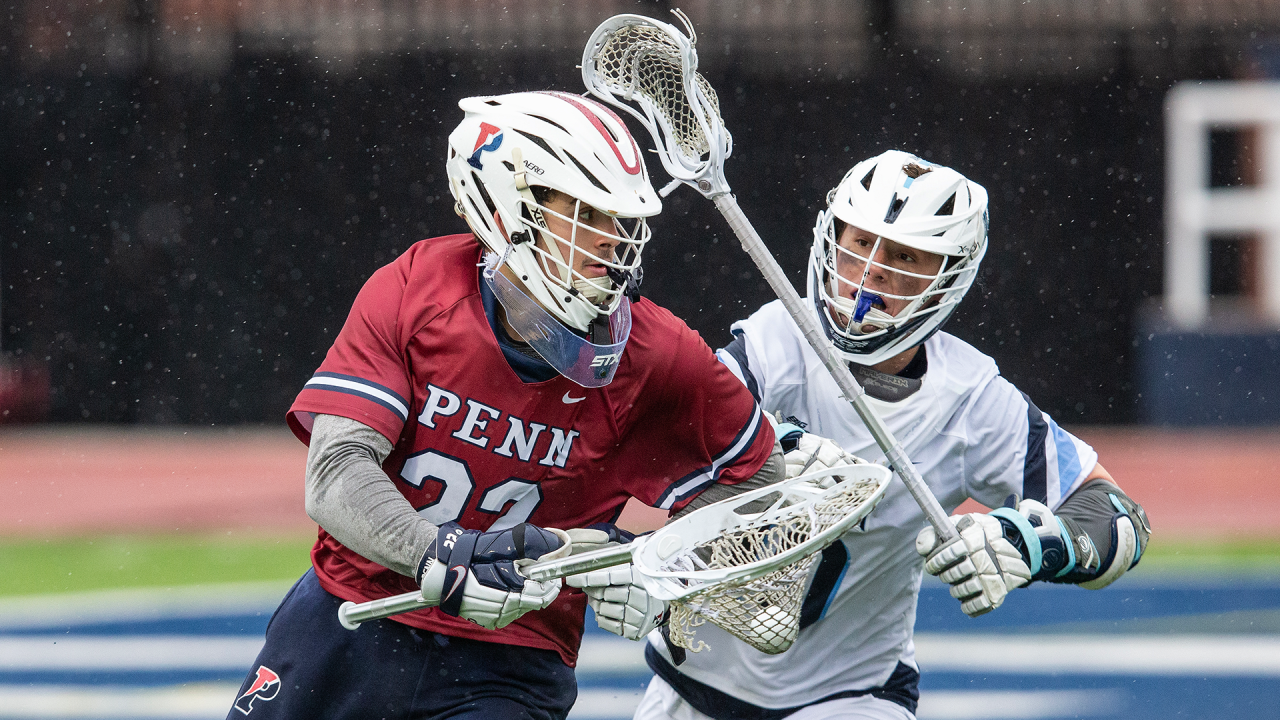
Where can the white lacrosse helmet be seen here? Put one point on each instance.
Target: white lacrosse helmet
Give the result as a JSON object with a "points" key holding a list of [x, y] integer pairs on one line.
{"points": [[506, 146], [899, 197]]}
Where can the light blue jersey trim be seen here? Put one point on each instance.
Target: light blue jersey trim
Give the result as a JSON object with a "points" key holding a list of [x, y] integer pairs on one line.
{"points": [[731, 362], [1068, 458]]}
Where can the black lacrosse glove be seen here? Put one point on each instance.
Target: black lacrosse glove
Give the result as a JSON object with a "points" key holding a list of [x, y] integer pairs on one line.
{"points": [[461, 559]]}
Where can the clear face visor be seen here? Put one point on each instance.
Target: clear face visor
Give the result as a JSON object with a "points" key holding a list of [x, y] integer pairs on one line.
{"points": [[583, 362], [858, 310], [561, 256]]}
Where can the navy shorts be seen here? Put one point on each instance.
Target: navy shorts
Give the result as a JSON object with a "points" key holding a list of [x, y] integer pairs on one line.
{"points": [[312, 668]]}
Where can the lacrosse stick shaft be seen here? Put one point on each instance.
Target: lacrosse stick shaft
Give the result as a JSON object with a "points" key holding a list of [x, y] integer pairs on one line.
{"points": [[853, 392], [351, 615]]}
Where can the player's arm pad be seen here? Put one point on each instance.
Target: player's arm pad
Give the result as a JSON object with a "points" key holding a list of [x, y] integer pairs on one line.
{"points": [[1096, 535]]}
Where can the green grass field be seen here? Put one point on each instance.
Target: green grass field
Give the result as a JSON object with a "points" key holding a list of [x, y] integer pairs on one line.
{"points": [[1245, 557], [61, 565]]}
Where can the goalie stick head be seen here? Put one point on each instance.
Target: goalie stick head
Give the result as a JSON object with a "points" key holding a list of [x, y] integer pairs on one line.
{"points": [[894, 253], [743, 563], [509, 154]]}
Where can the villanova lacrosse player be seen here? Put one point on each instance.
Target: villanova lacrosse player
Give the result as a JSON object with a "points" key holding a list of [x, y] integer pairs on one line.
{"points": [[893, 254], [487, 389]]}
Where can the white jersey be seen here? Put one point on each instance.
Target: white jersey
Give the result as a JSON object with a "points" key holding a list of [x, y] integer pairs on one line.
{"points": [[970, 433]]}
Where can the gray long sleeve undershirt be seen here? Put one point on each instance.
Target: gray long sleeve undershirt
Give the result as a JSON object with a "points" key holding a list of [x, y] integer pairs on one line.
{"points": [[350, 496]]}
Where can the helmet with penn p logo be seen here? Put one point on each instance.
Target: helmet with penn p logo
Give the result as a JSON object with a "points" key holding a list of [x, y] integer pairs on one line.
{"points": [[896, 197], [509, 146]]}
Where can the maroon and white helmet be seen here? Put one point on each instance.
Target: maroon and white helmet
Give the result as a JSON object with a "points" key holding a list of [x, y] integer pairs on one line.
{"points": [[899, 197], [508, 144]]}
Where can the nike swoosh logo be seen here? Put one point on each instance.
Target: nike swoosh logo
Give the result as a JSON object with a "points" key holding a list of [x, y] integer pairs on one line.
{"points": [[571, 400], [461, 574]]}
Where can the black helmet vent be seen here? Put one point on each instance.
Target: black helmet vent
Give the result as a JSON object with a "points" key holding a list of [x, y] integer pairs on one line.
{"points": [[610, 131], [551, 122], [948, 207], [484, 194], [587, 172], [540, 143], [895, 209]]}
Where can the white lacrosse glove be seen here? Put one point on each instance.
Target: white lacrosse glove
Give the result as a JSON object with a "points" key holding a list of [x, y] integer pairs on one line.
{"points": [[598, 537], [622, 605], [476, 575], [1044, 541], [805, 452], [981, 566]]}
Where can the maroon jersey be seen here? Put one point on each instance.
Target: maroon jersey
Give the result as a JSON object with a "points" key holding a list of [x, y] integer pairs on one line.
{"points": [[418, 361]]}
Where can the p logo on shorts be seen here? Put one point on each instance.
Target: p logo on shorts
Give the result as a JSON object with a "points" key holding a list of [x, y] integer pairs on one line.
{"points": [[264, 687]]}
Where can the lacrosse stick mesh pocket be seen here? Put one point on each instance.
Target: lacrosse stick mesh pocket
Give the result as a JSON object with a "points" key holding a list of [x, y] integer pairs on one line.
{"points": [[762, 611], [646, 61]]}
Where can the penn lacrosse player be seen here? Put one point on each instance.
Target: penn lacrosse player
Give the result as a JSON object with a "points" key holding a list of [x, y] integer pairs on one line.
{"points": [[893, 254], [486, 390]]}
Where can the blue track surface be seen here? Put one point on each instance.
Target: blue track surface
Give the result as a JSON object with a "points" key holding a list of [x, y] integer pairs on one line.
{"points": [[108, 661]]}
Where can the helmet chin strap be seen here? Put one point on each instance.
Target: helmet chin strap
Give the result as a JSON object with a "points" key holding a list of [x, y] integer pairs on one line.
{"points": [[535, 209], [522, 187]]}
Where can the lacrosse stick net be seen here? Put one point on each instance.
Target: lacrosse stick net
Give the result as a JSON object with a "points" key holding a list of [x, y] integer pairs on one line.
{"points": [[763, 611], [741, 563], [628, 63], [630, 57]]}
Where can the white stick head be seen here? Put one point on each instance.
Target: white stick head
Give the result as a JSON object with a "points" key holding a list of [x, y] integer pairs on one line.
{"points": [[743, 563], [650, 69]]}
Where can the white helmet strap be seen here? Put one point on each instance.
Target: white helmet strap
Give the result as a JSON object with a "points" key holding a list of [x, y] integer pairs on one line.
{"points": [[535, 209]]}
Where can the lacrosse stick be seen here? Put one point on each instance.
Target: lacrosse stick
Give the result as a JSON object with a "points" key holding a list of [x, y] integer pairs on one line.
{"points": [[741, 563], [650, 70]]}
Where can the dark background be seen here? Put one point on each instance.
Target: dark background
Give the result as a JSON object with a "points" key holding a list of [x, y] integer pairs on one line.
{"points": [[182, 248]]}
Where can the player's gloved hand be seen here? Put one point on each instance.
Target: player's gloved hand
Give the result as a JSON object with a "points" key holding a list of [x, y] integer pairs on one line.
{"points": [[476, 574], [598, 536], [622, 605], [981, 566], [806, 452]]}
